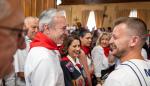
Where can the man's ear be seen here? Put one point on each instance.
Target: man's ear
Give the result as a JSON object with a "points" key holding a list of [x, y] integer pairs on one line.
{"points": [[133, 41]]}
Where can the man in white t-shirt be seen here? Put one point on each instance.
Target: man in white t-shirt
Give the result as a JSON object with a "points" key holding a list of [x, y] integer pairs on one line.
{"points": [[128, 37]]}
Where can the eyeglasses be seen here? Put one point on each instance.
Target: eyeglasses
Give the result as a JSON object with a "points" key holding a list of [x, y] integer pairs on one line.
{"points": [[19, 30]]}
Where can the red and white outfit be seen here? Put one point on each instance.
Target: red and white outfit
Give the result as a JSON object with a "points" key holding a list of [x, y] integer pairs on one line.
{"points": [[42, 66]]}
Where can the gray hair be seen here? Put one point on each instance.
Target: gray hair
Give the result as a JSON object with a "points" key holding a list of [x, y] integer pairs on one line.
{"points": [[47, 16], [29, 19], [4, 9]]}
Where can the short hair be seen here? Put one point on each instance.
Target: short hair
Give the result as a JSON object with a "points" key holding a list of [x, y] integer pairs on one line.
{"points": [[4, 9], [136, 26], [83, 32], [100, 37], [47, 16]]}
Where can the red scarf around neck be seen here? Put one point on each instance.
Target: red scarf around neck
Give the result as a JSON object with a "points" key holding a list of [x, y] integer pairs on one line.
{"points": [[85, 49], [43, 41], [106, 51]]}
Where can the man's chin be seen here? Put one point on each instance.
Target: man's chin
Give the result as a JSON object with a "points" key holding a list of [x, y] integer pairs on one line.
{"points": [[116, 55], [113, 52], [60, 42]]}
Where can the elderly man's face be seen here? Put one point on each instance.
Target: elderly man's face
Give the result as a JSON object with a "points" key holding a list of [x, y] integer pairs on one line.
{"points": [[33, 27], [9, 22], [59, 30]]}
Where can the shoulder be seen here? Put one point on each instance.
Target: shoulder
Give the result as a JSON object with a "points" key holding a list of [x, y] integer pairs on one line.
{"points": [[97, 47], [38, 49], [41, 52], [121, 76]]}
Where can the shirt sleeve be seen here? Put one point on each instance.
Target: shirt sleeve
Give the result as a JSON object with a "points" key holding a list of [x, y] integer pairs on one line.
{"points": [[97, 55]]}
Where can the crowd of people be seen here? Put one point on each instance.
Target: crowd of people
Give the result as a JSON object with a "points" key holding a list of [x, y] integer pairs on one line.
{"points": [[42, 52]]}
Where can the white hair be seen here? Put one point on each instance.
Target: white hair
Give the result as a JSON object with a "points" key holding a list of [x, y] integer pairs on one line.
{"points": [[29, 19], [4, 9], [47, 16]]}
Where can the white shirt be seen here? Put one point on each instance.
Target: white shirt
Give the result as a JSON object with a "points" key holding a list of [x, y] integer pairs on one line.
{"points": [[100, 61], [43, 68], [123, 75], [20, 56]]}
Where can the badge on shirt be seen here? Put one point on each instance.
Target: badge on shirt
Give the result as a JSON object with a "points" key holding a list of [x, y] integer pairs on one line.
{"points": [[70, 67]]}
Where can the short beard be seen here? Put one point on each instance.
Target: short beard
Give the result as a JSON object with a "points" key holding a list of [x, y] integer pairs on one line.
{"points": [[120, 54]]}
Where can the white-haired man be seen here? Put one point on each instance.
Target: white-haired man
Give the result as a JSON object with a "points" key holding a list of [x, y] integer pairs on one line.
{"points": [[42, 66], [31, 25]]}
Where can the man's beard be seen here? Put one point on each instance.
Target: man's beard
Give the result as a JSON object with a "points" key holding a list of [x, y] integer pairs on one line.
{"points": [[117, 52]]}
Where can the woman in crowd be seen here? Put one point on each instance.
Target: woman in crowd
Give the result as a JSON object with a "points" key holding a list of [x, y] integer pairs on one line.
{"points": [[86, 60], [72, 69], [101, 56]]}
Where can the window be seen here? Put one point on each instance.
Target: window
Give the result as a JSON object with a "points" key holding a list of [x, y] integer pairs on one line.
{"points": [[59, 2], [91, 21], [133, 13]]}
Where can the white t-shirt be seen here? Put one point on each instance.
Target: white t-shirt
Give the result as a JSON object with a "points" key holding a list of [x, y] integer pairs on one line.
{"points": [[130, 73], [42, 68]]}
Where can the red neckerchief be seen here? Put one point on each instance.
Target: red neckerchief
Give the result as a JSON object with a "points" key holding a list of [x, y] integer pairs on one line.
{"points": [[106, 51], [43, 41], [85, 49], [61, 49], [64, 59]]}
